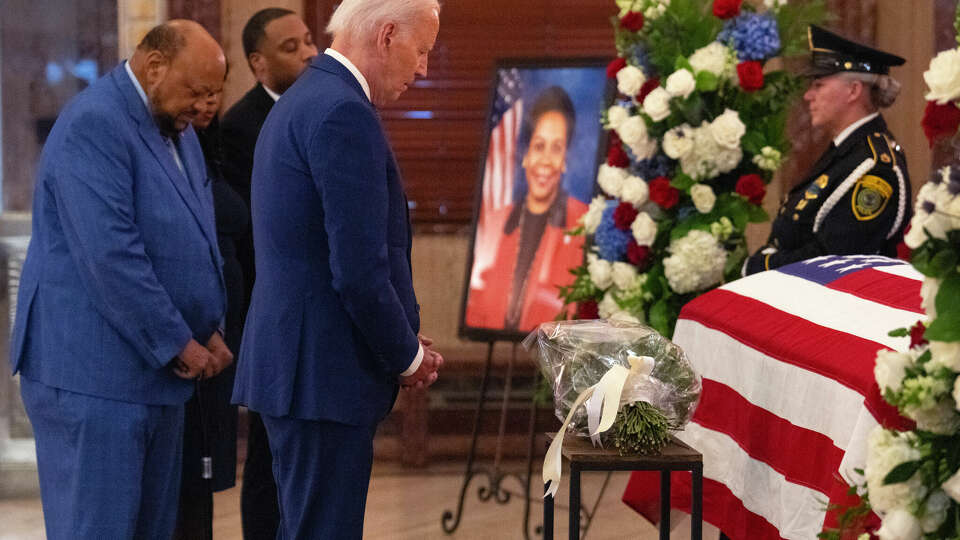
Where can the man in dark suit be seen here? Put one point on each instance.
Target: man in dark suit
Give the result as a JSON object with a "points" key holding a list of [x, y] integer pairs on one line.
{"points": [[332, 328], [278, 47], [120, 288], [855, 199]]}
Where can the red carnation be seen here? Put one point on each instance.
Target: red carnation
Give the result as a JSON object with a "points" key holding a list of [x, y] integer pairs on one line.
{"points": [[616, 157], [624, 215], [916, 334], [662, 193], [940, 121], [649, 86], [615, 66], [752, 187], [632, 21], [726, 9], [639, 256], [751, 75], [588, 310]]}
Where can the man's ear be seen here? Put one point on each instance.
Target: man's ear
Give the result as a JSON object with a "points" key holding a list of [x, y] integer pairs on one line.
{"points": [[386, 36], [156, 65], [257, 63], [857, 90]]}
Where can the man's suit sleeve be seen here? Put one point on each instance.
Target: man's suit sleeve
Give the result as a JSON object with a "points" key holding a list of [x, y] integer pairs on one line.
{"points": [[348, 156], [94, 197]]}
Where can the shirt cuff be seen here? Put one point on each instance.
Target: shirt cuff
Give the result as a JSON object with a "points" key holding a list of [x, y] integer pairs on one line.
{"points": [[415, 365]]}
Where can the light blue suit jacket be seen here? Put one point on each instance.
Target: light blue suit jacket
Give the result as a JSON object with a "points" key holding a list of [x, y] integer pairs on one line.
{"points": [[333, 319], [123, 266]]}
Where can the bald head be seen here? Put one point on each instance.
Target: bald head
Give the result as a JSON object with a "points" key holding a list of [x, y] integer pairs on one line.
{"points": [[180, 67]]}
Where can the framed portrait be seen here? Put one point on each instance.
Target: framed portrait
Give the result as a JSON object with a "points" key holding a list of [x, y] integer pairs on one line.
{"points": [[543, 144]]}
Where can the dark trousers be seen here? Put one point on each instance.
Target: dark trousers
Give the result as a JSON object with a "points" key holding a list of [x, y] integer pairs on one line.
{"points": [[323, 472], [260, 514], [108, 469]]}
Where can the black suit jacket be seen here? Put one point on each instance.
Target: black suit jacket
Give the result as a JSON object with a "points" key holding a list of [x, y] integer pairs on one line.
{"points": [[855, 200], [240, 128]]}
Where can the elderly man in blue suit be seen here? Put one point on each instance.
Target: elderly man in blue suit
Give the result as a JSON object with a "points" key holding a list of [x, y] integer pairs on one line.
{"points": [[332, 330], [121, 286]]}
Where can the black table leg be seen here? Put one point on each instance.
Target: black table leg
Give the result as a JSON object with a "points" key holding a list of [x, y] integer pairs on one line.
{"points": [[665, 505], [547, 516], [696, 519], [574, 502]]}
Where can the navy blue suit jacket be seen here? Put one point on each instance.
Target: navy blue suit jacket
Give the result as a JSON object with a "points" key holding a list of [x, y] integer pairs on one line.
{"points": [[123, 266], [333, 319]]}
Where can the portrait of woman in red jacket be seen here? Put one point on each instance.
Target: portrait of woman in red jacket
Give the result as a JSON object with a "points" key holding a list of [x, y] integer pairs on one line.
{"points": [[522, 253]]}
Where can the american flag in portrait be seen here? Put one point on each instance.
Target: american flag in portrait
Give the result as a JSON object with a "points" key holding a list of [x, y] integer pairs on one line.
{"points": [[500, 168]]}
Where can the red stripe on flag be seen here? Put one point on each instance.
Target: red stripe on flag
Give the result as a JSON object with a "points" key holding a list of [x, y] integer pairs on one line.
{"points": [[882, 288], [811, 459], [720, 506], [798, 342]]}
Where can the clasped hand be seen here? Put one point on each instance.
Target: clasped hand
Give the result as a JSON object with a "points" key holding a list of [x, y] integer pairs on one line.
{"points": [[427, 373], [195, 360]]}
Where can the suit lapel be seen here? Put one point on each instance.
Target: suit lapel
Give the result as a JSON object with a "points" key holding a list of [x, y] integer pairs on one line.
{"points": [[151, 136]]}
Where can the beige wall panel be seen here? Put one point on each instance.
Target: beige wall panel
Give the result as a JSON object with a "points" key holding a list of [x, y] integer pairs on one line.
{"points": [[234, 15], [907, 29]]}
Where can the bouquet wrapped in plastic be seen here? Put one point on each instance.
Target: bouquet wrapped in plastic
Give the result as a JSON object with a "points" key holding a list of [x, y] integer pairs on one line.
{"points": [[625, 375]]}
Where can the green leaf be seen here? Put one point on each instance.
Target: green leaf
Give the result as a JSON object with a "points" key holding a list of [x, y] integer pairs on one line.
{"points": [[756, 214], [899, 332], [753, 142], [944, 261], [660, 317], [902, 472], [946, 327], [682, 182], [707, 82]]}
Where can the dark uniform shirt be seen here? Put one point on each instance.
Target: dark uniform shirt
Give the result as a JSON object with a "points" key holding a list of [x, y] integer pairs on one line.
{"points": [[856, 200]]}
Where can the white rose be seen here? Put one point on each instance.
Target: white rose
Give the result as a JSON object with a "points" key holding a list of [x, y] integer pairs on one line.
{"points": [[952, 486], [886, 450], [943, 77], [703, 198], [727, 129], [633, 131], [889, 369], [657, 104], [591, 219], [681, 83], [600, 271], [624, 275], [630, 80], [946, 354], [900, 524], [941, 418], [616, 116], [644, 229], [774, 4], [611, 179], [715, 58], [928, 296], [635, 191], [644, 149], [608, 306], [678, 142], [696, 262], [935, 511], [727, 159]]}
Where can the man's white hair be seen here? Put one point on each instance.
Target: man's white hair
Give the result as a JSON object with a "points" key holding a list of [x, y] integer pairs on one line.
{"points": [[362, 18]]}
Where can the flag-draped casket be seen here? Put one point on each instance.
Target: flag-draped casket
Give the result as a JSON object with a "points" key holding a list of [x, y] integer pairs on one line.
{"points": [[789, 395]]}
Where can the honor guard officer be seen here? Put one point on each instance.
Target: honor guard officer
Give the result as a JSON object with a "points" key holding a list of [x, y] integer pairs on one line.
{"points": [[855, 199]]}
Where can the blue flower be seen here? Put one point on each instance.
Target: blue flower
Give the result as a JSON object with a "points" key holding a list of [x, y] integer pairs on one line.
{"points": [[611, 242], [637, 56], [754, 36], [648, 169]]}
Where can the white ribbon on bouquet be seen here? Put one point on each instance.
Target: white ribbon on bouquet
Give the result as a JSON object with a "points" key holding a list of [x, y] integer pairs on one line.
{"points": [[602, 404]]}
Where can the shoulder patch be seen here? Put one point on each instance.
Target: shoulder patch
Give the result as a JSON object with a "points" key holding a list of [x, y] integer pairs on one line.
{"points": [[870, 197]]}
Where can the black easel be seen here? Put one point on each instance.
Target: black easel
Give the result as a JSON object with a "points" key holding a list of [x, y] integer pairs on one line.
{"points": [[494, 476]]}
